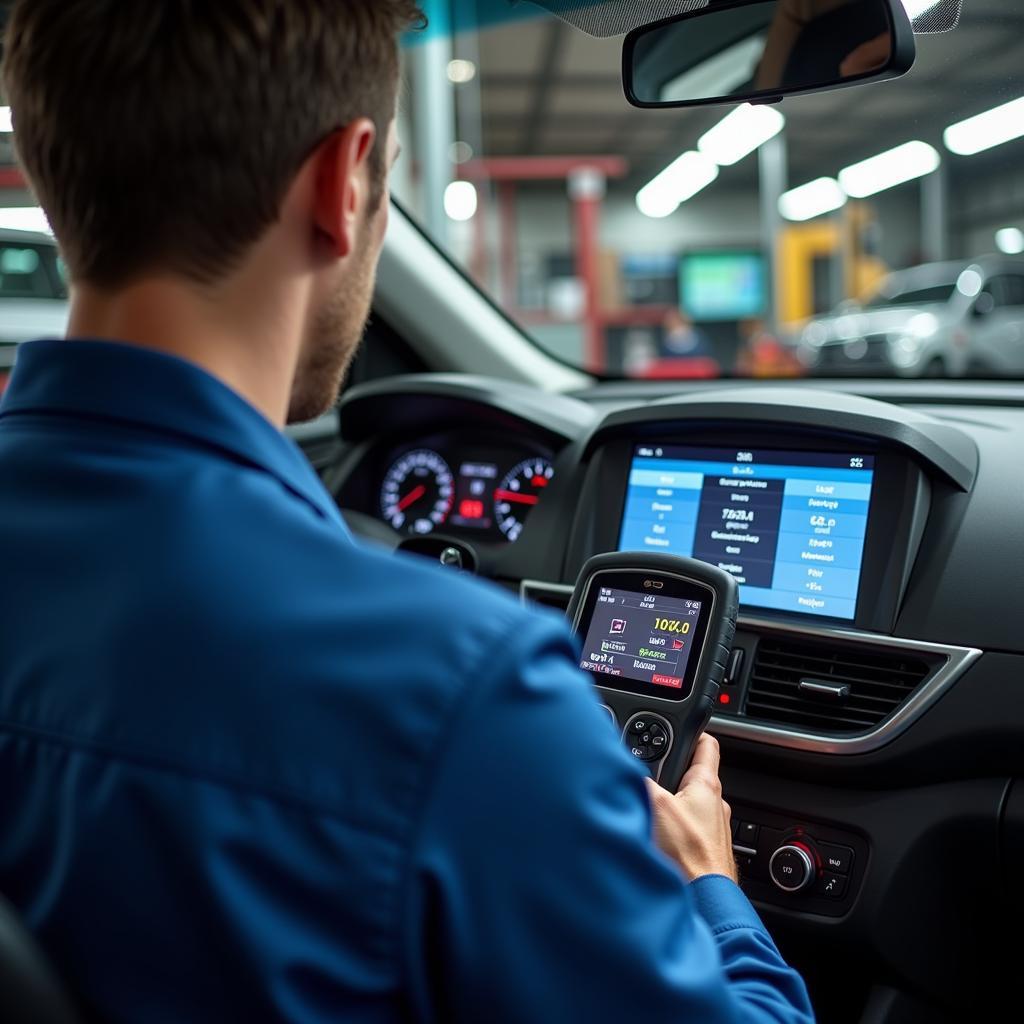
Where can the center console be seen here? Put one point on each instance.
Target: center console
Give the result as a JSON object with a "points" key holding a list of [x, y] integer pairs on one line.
{"points": [[816, 505], [802, 865]]}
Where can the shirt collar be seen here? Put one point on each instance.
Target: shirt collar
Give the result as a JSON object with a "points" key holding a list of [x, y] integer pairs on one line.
{"points": [[121, 382]]}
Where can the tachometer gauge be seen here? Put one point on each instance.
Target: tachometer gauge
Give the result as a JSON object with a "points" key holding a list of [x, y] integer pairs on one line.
{"points": [[418, 492], [518, 493]]}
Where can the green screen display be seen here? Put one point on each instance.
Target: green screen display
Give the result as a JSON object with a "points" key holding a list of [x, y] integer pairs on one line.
{"points": [[722, 285]]}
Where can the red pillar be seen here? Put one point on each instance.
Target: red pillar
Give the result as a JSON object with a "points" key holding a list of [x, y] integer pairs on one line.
{"points": [[509, 245], [586, 190]]}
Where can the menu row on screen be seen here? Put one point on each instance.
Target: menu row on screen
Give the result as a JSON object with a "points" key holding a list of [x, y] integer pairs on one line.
{"points": [[790, 526]]}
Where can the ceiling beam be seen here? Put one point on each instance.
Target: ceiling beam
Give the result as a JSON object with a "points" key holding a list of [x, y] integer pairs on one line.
{"points": [[547, 74], [541, 168]]}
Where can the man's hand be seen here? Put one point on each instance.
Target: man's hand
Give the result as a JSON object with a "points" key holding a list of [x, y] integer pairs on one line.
{"points": [[692, 827]]}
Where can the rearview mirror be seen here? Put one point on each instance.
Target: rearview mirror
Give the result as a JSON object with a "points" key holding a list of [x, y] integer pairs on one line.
{"points": [[763, 50]]}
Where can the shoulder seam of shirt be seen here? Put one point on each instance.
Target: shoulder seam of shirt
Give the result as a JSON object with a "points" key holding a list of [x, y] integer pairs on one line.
{"points": [[736, 926], [176, 437], [164, 765], [458, 708]]}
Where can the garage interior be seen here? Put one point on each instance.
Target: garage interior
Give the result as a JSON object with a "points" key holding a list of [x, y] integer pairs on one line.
{"points": [[530, 112]]}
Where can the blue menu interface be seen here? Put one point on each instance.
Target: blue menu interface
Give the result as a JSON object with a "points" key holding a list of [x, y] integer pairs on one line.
{"points": [[789, 526]]}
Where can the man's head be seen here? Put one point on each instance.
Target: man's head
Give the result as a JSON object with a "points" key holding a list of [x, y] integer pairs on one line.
{"points": [[164, 140]]}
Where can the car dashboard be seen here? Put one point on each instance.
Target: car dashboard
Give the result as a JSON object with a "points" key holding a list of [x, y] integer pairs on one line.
{"points": [[871, 709]]}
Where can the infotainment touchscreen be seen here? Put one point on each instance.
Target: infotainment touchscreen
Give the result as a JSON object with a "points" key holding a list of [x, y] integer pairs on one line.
{"points": [[789, 526]]}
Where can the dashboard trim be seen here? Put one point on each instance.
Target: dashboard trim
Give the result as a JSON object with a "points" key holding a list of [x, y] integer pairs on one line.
{"points": [[945, 448], [958, 660]]}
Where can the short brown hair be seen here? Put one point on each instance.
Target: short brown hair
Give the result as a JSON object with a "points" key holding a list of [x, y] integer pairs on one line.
{"points": [[164, 135]]}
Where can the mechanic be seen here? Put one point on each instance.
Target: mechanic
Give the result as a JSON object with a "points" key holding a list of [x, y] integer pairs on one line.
{"points": [[250, 769]]}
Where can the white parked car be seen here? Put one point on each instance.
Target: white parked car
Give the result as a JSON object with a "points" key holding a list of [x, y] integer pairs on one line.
{"points": [[33, 295], [937, 320]]}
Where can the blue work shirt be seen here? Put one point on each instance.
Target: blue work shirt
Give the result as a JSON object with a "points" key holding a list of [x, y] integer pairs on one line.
{"points": [[252, 770]]}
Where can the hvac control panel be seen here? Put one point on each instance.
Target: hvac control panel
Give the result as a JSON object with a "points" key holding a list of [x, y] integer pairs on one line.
{"points": [[797, 864]]}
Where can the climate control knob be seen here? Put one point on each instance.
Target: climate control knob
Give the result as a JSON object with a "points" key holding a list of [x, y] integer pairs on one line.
{"points": [[791, 867]]}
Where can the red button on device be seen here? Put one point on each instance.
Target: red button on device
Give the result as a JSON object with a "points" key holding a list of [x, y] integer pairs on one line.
{"points": [[674, 681]]}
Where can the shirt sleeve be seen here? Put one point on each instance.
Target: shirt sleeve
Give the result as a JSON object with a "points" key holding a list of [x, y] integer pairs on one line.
{"points": [[535, 891]]}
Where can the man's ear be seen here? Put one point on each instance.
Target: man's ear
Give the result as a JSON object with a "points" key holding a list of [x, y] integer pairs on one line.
{"points": [[343, 184]]}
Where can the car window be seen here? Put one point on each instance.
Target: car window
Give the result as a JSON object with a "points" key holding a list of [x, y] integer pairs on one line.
{"points": [[913, 296], [1007, 290], [524, 162], [29, 271]]}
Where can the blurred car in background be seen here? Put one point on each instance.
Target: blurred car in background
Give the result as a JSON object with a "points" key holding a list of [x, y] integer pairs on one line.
{"points": [[936, 320], [33, 295]]}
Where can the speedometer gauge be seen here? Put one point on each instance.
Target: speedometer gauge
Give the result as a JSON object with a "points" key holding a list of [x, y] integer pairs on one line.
{"points": [[518, 493], [418, 492]]}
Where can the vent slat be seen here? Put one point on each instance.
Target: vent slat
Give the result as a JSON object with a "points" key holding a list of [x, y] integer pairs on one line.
{"points": [[793, 678], [826, 723], [837, 659], [791, 691], [826, 666], [879, 682], [866, 713]]}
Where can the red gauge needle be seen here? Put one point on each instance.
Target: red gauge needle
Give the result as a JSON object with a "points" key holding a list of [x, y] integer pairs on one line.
{"points": [[522, 499], [412, 497]]}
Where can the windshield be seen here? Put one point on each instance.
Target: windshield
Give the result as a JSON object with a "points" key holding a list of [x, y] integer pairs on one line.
{"points": [[524, 162]]}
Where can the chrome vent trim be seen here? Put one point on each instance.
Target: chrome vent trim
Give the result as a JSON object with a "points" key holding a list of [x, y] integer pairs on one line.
{"points": [[820, 685], [956, 662]]}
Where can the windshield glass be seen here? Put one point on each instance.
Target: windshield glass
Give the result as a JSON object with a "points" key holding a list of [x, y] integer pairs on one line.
{"points": [[525, 163]]}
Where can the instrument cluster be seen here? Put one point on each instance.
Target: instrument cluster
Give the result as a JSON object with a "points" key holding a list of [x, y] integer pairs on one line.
{"points": [[481, 490]]}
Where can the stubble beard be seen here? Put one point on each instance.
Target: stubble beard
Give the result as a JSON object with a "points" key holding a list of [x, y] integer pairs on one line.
{"points": [[332, 344]]}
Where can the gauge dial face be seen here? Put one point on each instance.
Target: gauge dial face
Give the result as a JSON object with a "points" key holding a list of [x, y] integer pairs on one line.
{"points": [[518, 492], [418, 492]]}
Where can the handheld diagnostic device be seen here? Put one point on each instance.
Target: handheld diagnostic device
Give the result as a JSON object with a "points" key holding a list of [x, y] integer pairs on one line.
{"points": [[656, 631]]}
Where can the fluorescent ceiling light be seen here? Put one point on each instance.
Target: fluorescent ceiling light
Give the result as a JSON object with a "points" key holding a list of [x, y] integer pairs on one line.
{"points": [[915, 8], [6, 125], [740, 132], [681, 180], [1010, 241], [993, 128], [460, 200], [25, 218], [814, 199], [904, 163]]}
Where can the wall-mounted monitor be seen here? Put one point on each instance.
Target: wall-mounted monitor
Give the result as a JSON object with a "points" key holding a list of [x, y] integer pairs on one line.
{"points": [[716, 286]]}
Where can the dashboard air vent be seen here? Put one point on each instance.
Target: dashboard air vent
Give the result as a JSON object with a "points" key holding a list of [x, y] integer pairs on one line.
{"points": [[826, 687]]}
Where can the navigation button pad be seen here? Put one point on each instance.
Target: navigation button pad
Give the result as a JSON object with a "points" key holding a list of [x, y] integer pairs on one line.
{"points": [[648, 737]]}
